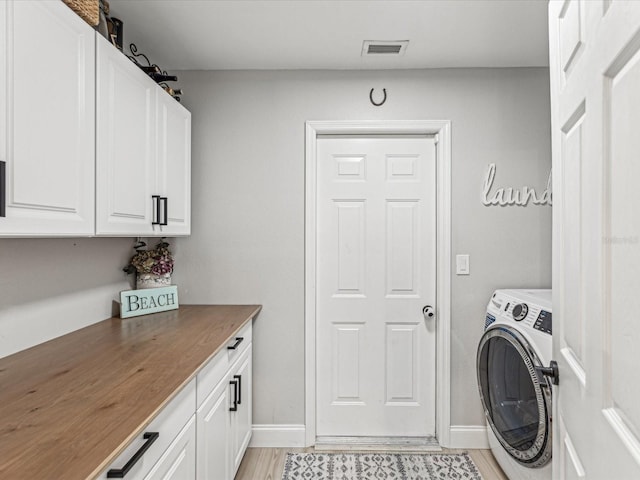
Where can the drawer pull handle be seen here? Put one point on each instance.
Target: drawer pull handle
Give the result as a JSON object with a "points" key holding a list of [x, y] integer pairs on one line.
{"points": [[156, 210], [150, 437], [235, 396], [235, 345], [239, 378], [3, 189], [165, 210]]}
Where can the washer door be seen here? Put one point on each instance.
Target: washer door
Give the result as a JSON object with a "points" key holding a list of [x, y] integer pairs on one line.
{"points": [[516, 402]]}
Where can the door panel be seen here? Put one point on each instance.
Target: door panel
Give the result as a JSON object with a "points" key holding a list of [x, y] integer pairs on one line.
{"points": [[48, 125], [174, 163], [401, 248], [346, 366], [595, 74], [401, 354], [375, 272], [125, 147], [571, 331], [241, 420], [351, 249], [213, 432]]}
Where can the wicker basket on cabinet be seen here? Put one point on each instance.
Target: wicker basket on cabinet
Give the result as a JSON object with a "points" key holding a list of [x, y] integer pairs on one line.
{"points": [[88, 10]]}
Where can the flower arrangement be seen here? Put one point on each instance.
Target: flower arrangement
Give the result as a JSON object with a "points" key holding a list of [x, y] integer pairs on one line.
{"points": [[156, 261]]}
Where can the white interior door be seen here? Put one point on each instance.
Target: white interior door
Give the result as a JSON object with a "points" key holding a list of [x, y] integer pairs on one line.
{"points": [[376, 270], [595, 71]]}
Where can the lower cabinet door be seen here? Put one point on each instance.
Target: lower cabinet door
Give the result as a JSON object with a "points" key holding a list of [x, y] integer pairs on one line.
{"points": [[178, 462], [241, 419], [213, 434]]}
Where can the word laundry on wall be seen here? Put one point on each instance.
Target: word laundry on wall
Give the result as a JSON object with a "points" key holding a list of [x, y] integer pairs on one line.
{"points": [[513, 196]]}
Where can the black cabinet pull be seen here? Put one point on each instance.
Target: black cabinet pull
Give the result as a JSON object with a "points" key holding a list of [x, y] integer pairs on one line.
{"points": [[156, 210], [235, 396], [239, 378], [165, 210], [3, 189], [235, 345], [150, 437]]}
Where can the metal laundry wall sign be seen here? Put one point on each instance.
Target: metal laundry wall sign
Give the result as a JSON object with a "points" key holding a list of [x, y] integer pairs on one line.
{"points": [[513, 196]]}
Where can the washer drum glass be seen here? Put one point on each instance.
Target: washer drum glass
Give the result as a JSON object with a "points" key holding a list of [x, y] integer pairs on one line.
{"points": [[517, 403]]}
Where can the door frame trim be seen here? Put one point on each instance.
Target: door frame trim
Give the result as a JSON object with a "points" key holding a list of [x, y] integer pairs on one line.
{"points": [[442, 129]]}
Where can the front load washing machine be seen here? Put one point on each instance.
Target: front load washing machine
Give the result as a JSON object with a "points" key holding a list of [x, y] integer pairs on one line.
{"points": [[515, 394]]}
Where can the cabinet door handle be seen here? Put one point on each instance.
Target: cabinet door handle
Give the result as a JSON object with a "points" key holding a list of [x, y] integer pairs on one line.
{"points": [[165, 210], [235, 396], [235, 345], [150, 437], [3, 189], [156, 210], [239, 378]]}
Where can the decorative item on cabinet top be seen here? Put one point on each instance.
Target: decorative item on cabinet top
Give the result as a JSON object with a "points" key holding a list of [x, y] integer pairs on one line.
{"points": [[88, 10], [97, 14], [153, 268], [161, 77]]}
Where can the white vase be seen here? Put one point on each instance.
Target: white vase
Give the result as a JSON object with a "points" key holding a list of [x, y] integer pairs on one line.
{"points": [[151, 280]]}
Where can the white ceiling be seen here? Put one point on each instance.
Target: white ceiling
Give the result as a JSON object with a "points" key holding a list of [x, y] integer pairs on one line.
{"points": [[328, 34]]}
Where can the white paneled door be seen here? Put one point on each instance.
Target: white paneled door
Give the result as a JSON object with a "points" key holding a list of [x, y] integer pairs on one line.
{"points": [[376, 270], [595, 79]]}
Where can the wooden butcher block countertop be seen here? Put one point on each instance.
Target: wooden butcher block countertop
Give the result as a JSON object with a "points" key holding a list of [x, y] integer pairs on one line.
{"points": [[69, 406]]}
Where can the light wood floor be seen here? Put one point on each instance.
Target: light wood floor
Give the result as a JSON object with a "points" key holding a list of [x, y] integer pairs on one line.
{"points": [[268, 463]]}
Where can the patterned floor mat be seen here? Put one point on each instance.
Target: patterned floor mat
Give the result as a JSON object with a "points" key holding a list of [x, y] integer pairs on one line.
{"points": [[379, 466]]}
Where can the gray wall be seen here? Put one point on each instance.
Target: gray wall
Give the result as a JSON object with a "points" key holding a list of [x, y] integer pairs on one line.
{"points": [[247, 242], [49, 287]]}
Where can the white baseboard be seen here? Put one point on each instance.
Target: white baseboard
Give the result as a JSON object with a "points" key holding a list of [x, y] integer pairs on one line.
{"points": [[468, 436], [278, 436]]}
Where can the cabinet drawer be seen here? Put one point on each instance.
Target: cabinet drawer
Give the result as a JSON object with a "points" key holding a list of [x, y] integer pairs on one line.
{"points": [[168, 424], [218, 367], [245, 334], [179, 461]]}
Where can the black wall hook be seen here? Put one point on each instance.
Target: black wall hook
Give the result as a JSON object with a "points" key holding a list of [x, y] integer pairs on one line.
{"points": [[384, 99]]}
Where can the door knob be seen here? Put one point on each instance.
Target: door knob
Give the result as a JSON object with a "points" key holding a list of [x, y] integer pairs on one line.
{"points": [[551, 371], [428, 312]]}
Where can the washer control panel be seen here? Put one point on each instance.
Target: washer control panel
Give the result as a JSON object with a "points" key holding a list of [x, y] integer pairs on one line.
{"points": [[543, 322], [520, 312]]}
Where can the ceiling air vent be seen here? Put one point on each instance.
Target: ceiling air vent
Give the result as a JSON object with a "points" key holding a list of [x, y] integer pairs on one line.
{"points": [[387, 48]]}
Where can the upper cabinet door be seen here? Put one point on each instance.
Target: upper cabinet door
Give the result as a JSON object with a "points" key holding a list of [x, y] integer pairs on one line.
{"points": [[47, 120], [125, 148], [174, 165]]}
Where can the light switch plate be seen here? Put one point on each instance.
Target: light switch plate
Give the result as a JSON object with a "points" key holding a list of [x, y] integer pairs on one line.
{"points": [[462, 264]]}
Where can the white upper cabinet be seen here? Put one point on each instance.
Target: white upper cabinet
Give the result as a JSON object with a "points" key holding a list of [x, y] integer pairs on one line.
{"points": [[47, 120], [143, 164], [125, 145], [173, 140], [89, 144]]}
